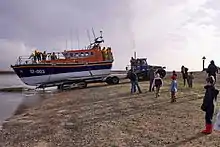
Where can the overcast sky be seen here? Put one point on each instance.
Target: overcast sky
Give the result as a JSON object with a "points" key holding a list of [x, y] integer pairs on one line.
{"points": [[168, 32]]}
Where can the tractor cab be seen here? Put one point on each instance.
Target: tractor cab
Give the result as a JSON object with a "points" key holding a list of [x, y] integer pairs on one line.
{"points": [[141, 64], [141, 67]]}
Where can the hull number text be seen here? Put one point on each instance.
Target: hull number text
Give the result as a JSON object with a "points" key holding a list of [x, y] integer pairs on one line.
{"points": [[37, 71]]}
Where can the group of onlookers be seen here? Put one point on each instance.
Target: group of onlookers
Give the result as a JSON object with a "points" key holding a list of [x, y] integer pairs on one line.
{"points": [[156, 82], [210, 94]]}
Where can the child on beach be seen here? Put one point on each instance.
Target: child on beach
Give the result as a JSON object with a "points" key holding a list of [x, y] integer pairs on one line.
{"points": [[173, 88], [174, 74], [190, 80], [158, 83], [208, 103]]}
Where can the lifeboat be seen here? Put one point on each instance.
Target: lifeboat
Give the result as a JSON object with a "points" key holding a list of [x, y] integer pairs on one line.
{"points": [[40, 68]]}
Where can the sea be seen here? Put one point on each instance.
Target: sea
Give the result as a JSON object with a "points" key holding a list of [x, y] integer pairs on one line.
{"points": [[11, 101]]}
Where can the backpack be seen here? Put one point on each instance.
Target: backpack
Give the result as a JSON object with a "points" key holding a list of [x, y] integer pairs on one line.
{"points": [[158, 82]]}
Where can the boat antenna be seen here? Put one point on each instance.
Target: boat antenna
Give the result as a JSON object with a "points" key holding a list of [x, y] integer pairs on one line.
{"points": [[71, 39], [66, 44], [135, 55], [89, 40], [89, 36], [134, 46], [77, 33], [93, 33], [101, 33]]}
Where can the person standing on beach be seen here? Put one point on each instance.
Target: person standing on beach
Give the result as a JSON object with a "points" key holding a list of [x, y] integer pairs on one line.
{"points": [[174, 74], [151, 77], [134, 81], [208, 103], [173, 89], [190, 80], [184, 72], [212, 69], [158, 83]]}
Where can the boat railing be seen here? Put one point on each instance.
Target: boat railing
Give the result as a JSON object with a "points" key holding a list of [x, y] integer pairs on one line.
{"points": [[30, 59], [24, 60]]}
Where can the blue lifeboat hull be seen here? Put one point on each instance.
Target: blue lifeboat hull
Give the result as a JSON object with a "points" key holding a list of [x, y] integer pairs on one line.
{"points": [[38, 74]]}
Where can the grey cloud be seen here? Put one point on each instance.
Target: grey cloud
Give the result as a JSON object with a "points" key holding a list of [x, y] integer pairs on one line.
{"points": [[155, 26], [47, 24], [41, 21]]}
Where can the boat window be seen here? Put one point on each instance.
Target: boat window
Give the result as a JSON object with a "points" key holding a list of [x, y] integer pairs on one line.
{"points": [[91, 53], [86, 53], [82, 54], [76, 54], [71, 54]]}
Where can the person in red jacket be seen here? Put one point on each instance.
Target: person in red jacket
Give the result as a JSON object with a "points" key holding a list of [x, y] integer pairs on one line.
{"points": [[174, 74]]}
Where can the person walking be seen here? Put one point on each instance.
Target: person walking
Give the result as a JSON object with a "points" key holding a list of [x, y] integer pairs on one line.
{"points": [[134, 81], [208, 103], [190, 80], [158, 83], [151, 77]]}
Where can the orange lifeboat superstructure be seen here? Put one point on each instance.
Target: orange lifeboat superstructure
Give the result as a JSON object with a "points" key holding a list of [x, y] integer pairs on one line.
{"points": [[93, 55]]}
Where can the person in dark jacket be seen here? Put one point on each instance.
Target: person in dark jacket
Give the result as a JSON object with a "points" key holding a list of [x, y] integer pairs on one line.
{"points": [[184, 71], [212, 69], [158, 83], [134, 81], [208, 103], [190, 80], [186, 75], [183, 75], [161, 72]]}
